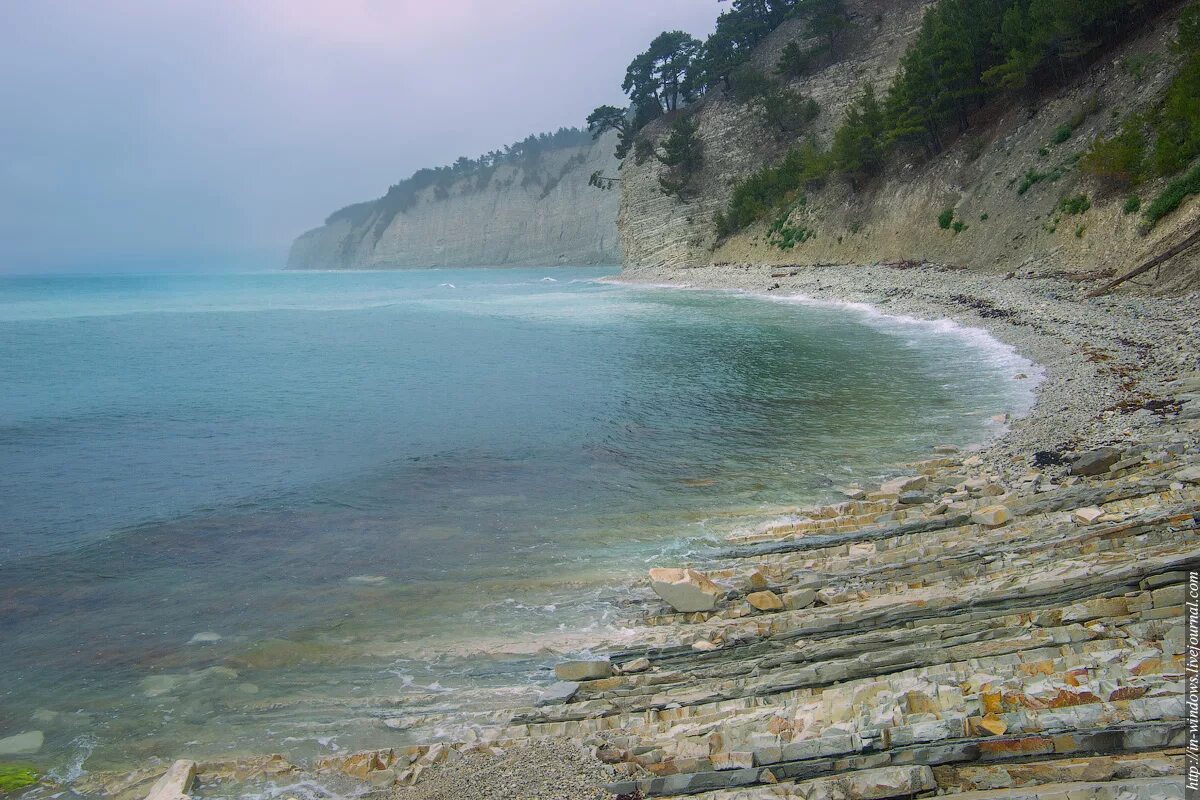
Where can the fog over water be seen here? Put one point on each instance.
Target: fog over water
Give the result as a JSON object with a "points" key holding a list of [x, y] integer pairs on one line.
{"points": [[200, 134]]}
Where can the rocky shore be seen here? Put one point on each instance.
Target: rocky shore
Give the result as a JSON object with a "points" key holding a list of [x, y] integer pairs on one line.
{"points": [[1002, 623]]}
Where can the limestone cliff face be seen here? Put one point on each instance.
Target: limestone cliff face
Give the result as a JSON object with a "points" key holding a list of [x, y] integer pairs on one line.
{"points": [[896, 217], [537, 213]]}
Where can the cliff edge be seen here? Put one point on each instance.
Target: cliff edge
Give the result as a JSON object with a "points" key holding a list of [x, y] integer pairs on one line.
{"points": [[531, 206]]}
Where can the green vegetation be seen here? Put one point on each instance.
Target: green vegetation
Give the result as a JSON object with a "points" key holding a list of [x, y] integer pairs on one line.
{"points": [[786, 236], [526, 154], [796, 61], [16, 776], [783, 110], [683, 153], [947, 222], [858, 144], [1164, 140], [1132, 205], [676, 69], [1173, 196], [1119, 160], [967, 52], [1075, 205], [772, 188], [1033, 177], [1177, 121]]}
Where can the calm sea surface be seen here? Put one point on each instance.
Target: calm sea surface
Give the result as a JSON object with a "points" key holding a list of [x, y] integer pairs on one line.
{"points": [[262, 512]]}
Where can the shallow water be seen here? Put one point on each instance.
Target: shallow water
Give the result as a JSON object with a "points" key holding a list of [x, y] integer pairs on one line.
{"points": [[363, 482]]}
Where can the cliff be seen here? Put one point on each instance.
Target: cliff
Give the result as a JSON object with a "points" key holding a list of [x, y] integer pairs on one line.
{"points": [[532, 210], [1006, 225]]}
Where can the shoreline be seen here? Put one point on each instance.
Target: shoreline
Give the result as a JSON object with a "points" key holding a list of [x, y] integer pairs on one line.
{"points": [[1073, 388], [1095, 355]]}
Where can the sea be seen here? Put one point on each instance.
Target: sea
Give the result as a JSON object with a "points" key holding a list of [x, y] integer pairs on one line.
{"points": [[276, 511]]}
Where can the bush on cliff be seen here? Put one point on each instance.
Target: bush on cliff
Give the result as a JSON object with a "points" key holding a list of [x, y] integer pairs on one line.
{"points": [[683, 155]]}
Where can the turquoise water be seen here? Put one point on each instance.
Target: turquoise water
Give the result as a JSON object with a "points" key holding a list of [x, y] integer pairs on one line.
{"points": [[361, 482]]}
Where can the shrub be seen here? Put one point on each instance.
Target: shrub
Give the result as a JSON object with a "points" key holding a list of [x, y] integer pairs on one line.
{"points": [[1118, 160], [643, 150], [683, 155], [1030, 179], [1173, 196], [796, 61], [1133, 205], [786, 236], [959, 226], [771, 188], [984, 217], [946, 219], [1075, 205], [1062, 134]]}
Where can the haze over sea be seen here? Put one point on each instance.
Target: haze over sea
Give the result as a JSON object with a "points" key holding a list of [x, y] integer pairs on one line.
{"points": [[241, 510]]}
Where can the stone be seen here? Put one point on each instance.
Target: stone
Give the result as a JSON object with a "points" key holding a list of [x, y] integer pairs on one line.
{"points": [[765, 601], [1096, 462], [945, 450], [801, 598], [685, 590], [992, 516], [205, 637], [1190, 475], [758, 581], [1086, 516], [175, 783], [23, 744], [158, 685], [637, 665], [382, 778], [854, 492], [571, 671], [732, 760], [914, 499], [558, 693], [991, 725], [703, 646], [899, 486]]}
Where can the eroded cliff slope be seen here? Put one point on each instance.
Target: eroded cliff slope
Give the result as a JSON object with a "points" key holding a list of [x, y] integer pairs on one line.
{"points": [[1004, 180], [536, 210]]}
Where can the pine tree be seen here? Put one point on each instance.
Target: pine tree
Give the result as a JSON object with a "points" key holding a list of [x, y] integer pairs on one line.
{"points": [[683, 155], [858, 146]]}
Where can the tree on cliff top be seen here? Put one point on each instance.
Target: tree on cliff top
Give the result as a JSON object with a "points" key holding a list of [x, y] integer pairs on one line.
{"points": [[663, 75], [610, 118]]}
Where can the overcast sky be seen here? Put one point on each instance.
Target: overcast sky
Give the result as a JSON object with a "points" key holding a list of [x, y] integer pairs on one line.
{"points": [[185, 134]]}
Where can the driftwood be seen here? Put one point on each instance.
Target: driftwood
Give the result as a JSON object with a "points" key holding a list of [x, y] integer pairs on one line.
{"points": [[1186, 244]]}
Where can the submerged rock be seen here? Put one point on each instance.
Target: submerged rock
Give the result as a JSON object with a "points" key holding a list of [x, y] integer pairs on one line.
{"points": [[23, 744], [686, 590], [176, 783]]}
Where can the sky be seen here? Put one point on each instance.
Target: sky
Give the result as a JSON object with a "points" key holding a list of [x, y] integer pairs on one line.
{"points": [[207, 134]]}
